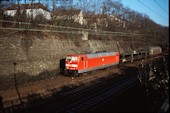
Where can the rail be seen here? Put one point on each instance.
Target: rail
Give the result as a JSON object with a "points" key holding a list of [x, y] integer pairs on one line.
{"points": [[99, 97]]}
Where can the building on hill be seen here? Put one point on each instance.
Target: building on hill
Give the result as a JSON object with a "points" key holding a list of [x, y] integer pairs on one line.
{"points": [[85, 18], [104, 20], [32, 10], [75, 14]]}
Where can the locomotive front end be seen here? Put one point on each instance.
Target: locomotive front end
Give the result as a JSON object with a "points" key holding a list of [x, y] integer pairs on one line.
{"points": [[71, 64]]}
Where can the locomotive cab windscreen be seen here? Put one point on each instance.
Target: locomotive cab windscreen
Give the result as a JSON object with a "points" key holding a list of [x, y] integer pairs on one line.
{"points": [[71, 62], [71, 58]]}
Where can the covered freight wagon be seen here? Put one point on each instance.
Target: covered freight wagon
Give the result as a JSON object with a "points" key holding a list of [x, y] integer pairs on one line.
{"points": [[80, 63], [155, 50]]}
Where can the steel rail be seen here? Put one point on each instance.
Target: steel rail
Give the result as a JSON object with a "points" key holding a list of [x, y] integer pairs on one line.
{"points": [[99, 97]]}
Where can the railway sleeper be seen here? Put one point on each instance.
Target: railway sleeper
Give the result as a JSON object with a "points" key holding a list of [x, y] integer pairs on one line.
{"points": [[80, 107]]}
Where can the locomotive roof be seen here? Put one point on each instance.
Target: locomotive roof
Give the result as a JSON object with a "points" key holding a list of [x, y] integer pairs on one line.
{"points": [[90, 55], [101, 54], [155, 47]]}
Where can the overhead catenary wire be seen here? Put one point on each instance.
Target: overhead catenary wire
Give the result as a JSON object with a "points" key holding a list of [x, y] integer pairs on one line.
{"points": [[44, 25], [76, 32], [151, 9], [148, 28], [160, 6], [66, 27], [8, 34], [90, 31], [140, 40]]}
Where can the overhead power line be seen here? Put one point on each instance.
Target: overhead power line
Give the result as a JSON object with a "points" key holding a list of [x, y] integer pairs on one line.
{"points": [[53, 26], [75, 32], [149, 28], [90, 31], [151, 9], [160, 6]]}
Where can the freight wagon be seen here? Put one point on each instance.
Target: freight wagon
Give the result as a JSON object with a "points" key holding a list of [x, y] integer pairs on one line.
{"points": [[81, 63], [155, 50]]}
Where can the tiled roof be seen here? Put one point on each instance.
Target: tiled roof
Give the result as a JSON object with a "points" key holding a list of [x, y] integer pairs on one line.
{"points": [[62, 12], [27, 6]]}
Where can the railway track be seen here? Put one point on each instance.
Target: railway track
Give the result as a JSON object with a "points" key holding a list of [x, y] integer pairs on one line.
{"points": [[74, 94], [100, 97], [93, 85]]}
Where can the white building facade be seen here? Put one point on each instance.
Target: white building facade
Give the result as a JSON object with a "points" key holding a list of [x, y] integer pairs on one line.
{"points": [[33, 11]]}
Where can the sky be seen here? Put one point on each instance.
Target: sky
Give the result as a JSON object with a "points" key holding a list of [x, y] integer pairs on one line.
{"points": [[157, 10]]}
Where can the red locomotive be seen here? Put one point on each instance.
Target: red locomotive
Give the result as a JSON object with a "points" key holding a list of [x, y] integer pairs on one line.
{"points": [[81, 63]]}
